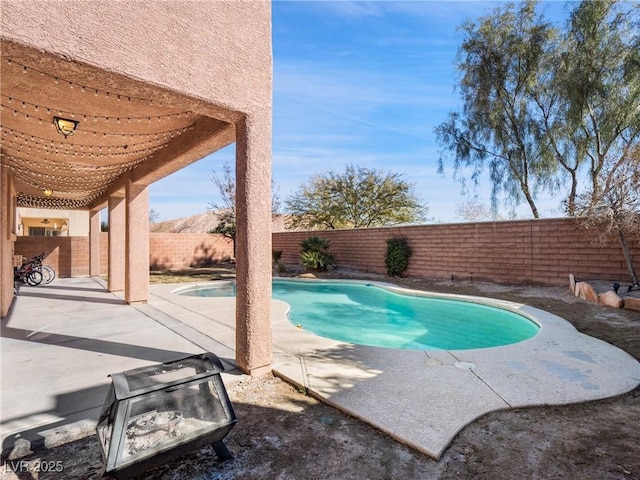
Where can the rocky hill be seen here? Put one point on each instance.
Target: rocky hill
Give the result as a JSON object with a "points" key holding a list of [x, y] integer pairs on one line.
{"points": [[201, 223]]}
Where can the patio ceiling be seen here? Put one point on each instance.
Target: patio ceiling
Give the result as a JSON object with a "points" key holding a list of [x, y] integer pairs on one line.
{"points": [[126, 127]]}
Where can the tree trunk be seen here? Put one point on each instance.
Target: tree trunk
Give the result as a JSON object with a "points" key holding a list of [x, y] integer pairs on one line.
{"points": [[571, 200], [627, 257], [531, 202]]}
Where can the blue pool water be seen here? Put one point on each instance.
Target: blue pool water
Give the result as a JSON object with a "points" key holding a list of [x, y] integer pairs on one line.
{"points": [[370, 315]]}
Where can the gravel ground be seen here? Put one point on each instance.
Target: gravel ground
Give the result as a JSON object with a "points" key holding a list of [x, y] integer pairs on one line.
{"points": [[284, 434]]}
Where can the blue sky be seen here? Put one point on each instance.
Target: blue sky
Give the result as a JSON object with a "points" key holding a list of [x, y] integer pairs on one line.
{"points": [[362, 83]]}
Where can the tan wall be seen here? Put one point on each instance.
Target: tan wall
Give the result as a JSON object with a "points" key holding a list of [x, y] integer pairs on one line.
{"points": [[179, 250], [522, 252], [70, 255]]}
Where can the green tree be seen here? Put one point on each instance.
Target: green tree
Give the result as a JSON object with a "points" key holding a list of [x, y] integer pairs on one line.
{"points": [[542, 105], [597, 87], [357, 198], [500, 60], [226, 209]]}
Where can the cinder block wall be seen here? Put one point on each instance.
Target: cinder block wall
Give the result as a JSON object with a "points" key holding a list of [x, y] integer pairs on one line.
{"points": [[70, 255], [180, 250], [522, 252], [541, 252]]}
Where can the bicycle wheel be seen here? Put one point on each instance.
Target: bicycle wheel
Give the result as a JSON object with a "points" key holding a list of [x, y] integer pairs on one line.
{"points": [[48, 274], [34, 278]]}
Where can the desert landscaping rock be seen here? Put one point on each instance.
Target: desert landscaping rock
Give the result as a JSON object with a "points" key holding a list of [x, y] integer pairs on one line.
{"points": [[632, 304], [572, 284], [585, 291], [610, 299]]}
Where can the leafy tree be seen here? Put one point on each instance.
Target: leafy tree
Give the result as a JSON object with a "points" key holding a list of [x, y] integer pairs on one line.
{"points": [[500, 60], [357, 198], [541, 105], [226, 210], [614, 210], [597, 86]]}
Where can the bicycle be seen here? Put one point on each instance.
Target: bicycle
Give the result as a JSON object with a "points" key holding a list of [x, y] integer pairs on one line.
{"points": [[48, 273], [28, 274]]}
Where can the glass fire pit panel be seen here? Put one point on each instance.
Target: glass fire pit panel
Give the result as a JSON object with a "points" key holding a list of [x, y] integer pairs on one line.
{"points": [[183, 370], [163, 419]]}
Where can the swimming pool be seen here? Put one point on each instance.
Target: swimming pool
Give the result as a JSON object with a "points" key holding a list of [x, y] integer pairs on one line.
{"points": [[369, 314]]}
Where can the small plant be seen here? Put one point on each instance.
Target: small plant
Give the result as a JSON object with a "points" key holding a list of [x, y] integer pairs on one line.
{"points": [[318, 261], [315, 244], [276, 256], [314, 255], [396, 259]]}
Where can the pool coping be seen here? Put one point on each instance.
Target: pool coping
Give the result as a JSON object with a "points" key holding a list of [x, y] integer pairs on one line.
{"points": [[423, 398]]}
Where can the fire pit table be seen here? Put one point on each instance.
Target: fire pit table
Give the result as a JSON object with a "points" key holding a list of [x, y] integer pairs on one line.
{"points": [[155, 414]]}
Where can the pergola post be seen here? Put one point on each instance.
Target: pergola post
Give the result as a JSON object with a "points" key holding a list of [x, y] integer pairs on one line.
{"points": [[94, 243], [117, 239], [253, 244], [7, 207], [136, 284]]}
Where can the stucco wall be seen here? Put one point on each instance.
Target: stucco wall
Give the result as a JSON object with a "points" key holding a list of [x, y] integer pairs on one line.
{"points": [[182, 45], [77, 221], [530, 252]]}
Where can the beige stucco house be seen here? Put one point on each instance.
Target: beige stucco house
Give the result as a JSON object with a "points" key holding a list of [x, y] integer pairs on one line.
{"points": [[52, 222], [99, 101]]}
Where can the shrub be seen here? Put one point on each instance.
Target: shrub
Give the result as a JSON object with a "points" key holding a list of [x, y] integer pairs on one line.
{"points": [[315, 244], [314, 255], [318, 261], [396, 259]]}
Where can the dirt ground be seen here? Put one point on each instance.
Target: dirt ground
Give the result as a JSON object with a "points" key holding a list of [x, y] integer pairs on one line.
{"points": [[284, 434]]}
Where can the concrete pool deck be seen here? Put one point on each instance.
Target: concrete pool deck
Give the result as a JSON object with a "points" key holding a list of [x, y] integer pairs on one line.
{"points": [[60, 341]]}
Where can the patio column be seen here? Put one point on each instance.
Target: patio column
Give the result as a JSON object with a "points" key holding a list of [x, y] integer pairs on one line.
{"points": [[136, 278], [117, 239], [253, 244], [94, 243], [7, 213]]}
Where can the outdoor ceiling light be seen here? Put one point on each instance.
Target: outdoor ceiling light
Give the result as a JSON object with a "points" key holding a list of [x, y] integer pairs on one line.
{"points": [[47, 192], [64, 126]]}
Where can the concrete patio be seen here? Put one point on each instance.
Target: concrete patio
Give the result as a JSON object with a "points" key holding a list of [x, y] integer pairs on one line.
{"points": [[61, 341]]}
